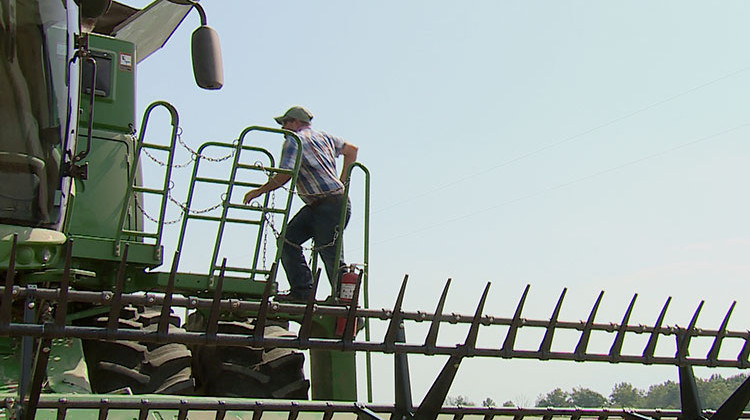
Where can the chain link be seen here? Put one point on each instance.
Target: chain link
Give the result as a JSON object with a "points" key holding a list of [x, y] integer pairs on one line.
{"points": [[164, 164], [188, 210], [197, 155], [151, 218]]}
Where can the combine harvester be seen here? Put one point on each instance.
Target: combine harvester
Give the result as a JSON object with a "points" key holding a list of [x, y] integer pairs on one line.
{"points": [[87, 328]]}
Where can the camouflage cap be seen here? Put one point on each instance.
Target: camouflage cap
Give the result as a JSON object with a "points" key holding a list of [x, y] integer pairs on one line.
{"points": [[299, 113]]}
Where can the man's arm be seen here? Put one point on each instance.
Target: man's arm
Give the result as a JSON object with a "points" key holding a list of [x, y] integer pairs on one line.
{"points": [[274, 183], [350, 156]]}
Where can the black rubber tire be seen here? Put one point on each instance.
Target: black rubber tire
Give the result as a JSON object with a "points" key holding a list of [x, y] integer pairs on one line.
{"points": [[141, 368], [245, 371]]}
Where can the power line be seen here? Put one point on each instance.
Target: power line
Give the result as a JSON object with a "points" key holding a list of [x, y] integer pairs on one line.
{"points": [[563, 141], [571, 182]]}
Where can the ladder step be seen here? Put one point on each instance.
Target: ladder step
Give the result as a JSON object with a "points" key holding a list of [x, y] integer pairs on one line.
{"points": [[228, 220], [217, 268], [137, 188], [226, 182], [156, 146], [140, 233], [265, 168], [253, 208]]}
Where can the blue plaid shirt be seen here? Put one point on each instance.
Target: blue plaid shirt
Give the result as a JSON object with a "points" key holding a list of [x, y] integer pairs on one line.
{"points": [[317, 173]]}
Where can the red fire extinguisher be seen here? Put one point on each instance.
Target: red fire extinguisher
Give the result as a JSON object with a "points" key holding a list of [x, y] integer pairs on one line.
{"points": [[349, 281]]}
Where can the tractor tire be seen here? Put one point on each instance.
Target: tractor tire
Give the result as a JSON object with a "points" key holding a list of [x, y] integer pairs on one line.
{"points": [[138, 368], [245, 371]]}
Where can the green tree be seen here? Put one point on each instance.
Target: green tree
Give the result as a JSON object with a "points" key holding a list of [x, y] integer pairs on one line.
{"points": [[626, 395], [509, 403], [555, 398], [665, 395], [461, 400], [584, 397], [488, 402]]}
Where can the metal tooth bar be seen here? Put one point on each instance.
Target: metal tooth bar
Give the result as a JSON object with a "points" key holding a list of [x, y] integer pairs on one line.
{"points": [[61, 413], [293, 414], [227, 304], [351, 316], [182, 414], [689, 402], [616, 349], [733, 407], [330, 408], [5, 308], [471, 339], [62, 303], [433, 401], [220, 414], [143, 412], [713, 354], [260, 320], [745, 352], [213, 318], [306, 326], [27, 344], [544, 348], [40, 372], [114, 311], [103, 410], [166, 309], [586, 334], [427, 348], [431, 340], [515, 324], [683, 343], [648, 352], [395, 325]]}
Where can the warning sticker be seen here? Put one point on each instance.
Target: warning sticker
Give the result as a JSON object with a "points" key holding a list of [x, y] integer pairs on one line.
{"points": [[126, 62]]}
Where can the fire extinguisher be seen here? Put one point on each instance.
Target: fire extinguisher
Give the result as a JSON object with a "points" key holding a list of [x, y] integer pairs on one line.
{"points": [[349, 280]]}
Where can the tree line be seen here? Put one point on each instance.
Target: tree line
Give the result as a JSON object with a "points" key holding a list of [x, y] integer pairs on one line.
{"points": [[712, 393]]}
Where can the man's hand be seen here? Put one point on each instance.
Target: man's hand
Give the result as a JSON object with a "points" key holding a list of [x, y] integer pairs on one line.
{"points": [[252, 195], [350, 156]]}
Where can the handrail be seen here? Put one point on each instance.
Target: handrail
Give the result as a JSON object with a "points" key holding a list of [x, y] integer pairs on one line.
{"points": [[366, 258], [140, 145], [231, 182]]}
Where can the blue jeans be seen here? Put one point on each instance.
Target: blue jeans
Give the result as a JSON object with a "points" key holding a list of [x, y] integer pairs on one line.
{"points": [[318, 221]]}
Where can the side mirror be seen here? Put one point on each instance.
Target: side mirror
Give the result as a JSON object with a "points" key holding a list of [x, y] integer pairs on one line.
{"points": [[207, 64]]}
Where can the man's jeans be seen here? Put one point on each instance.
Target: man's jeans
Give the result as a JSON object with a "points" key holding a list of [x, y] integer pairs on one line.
{"points": [[318, 221]]}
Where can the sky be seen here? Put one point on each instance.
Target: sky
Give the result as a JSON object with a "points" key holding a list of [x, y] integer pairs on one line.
{"points": [[562, 144]]}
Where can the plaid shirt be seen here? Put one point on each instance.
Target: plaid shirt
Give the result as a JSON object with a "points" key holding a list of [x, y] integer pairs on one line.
{"points": [[317, 173]]}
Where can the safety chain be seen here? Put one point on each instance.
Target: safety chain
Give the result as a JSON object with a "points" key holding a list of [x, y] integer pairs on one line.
{"points": [[193, 154], [163, 164], [149, 217], [187, 209], [197, 155], [265, 231]]}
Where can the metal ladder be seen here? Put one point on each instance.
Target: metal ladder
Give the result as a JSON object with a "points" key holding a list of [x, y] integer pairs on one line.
{"points": [[258, 214], [136, 189]]}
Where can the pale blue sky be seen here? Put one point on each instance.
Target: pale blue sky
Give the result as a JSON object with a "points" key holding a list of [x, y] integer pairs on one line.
{"points": [[580, 144]]}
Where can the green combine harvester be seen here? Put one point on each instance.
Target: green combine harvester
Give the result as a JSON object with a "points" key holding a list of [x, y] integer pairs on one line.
{"points": [[89, 325]]}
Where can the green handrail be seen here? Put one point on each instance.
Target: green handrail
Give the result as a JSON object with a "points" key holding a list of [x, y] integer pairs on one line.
{"points": [[366, 259], [140, 145], [231, 183]]}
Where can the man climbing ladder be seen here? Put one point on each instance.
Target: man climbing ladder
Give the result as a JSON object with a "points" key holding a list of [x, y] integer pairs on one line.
{"points": [[322, 192]]}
